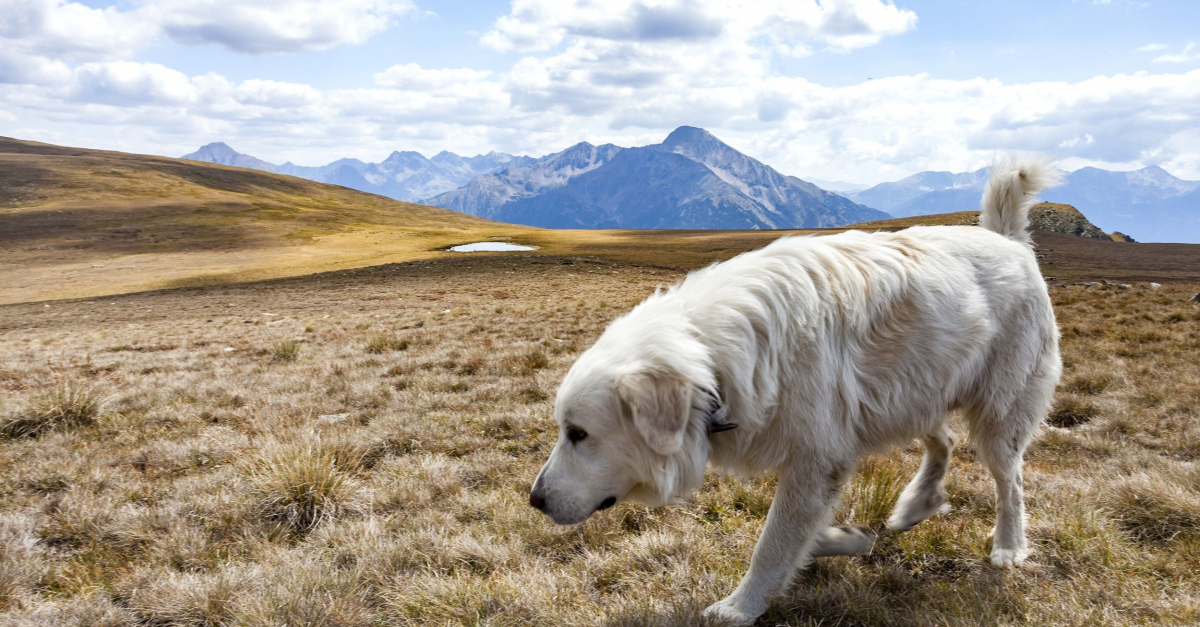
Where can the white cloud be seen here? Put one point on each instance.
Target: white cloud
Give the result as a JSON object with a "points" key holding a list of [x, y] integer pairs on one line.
{"points": [[1152, 48], [61, 30], [1182, 56], [600, 74], [652, 63], [1075, 141], [533, 25], [71, 31], [39, 38], [124, 83], [543, 24], [413, 77], [21, 68], [275, 94], [278, 26], [876, 130], [843, 24], [158, 99]]}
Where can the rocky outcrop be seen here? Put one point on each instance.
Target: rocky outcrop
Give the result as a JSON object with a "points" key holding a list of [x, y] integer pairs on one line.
{"points": [[1061, 218], [1047, 216]]}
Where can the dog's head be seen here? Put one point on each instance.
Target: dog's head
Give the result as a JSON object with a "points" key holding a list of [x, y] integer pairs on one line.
{"points": [[633, 414]]}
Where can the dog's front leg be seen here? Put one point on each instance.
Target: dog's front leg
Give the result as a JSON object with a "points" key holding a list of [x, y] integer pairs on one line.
{"points": [[802, 508]]}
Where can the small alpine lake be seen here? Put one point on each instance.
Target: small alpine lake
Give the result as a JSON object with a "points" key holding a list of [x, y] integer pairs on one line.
{"points": [[489, 247]]}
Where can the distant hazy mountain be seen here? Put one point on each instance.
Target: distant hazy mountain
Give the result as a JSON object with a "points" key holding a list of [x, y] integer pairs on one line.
{"points": [[841, 187], [691, 180], [405, 176], [898, 198], [220, 153], [1150, 204]]}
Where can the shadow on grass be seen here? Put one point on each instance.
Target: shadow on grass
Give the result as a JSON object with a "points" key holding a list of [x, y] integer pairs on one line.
{"points": [[876, 591]]}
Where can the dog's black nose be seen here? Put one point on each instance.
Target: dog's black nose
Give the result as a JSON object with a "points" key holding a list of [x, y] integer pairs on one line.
{"points": [[537, 501]]}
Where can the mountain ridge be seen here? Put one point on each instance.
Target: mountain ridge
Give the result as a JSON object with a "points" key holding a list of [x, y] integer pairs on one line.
{"points": [[1150, 204], [403, 175], [484, 194], [690, 180]]}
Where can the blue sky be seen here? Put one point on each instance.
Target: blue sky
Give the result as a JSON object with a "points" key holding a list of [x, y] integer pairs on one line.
{"points": [[858, 90]]}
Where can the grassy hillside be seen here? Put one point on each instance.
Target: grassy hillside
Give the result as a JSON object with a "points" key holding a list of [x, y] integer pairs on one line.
{"points": [[355, 449], [85, 222]]}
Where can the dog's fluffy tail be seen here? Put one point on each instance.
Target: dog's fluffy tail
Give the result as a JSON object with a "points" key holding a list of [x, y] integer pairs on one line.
{"points": [[1012, 186]]}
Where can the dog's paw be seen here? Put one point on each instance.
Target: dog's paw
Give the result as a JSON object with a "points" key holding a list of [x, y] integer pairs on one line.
{"points": [[907, 515], [843, 541], [1008, 558], [726, 612]]}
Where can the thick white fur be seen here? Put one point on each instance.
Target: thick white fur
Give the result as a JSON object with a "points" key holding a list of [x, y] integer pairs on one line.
{"points": [[823, 349]]}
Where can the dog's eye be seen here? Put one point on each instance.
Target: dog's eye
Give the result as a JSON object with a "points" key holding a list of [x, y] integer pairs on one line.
{"points": [[575, 434]]}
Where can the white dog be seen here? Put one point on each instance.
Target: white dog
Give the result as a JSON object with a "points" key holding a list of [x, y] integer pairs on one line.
{"points": [[819, 350]]}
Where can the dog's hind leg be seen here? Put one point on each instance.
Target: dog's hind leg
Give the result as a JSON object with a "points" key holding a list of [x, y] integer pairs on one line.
{"points": [[843, 541], [1001, 438], [925, 495]]}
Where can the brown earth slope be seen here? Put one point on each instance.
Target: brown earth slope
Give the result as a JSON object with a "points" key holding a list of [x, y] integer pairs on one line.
{"points": [[81, 223], [77, 223]]}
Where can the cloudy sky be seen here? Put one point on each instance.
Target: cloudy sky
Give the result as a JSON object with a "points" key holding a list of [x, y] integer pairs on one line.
{"points": [[857, 90]]}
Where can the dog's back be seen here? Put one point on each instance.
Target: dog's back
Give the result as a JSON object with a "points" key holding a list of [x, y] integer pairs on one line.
{"points": [[887, 330]]}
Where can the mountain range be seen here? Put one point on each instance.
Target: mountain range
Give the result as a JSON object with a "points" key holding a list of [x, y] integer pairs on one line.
{"points": [[692, 180], [1150, 204], [407, 176]]}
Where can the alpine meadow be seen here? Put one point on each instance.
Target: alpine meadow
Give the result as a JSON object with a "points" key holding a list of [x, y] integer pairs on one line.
{"points": [[641, 313]]}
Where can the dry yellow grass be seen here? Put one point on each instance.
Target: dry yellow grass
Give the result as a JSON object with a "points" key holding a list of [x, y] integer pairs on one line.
{"points": [[83, 223], [356, 449], [88, 223]]}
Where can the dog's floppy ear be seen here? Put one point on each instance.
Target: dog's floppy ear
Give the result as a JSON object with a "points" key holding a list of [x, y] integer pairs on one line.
{"points": [[659, 405]]}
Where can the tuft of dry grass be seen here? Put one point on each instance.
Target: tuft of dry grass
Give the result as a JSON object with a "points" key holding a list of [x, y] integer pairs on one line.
{"points": [[1070, 411], [1153, 510], [62, 406], [382, 343], [871, 494], [304, 483], [173, 599], [530, 361], [1090, 384], [285, 351]]}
